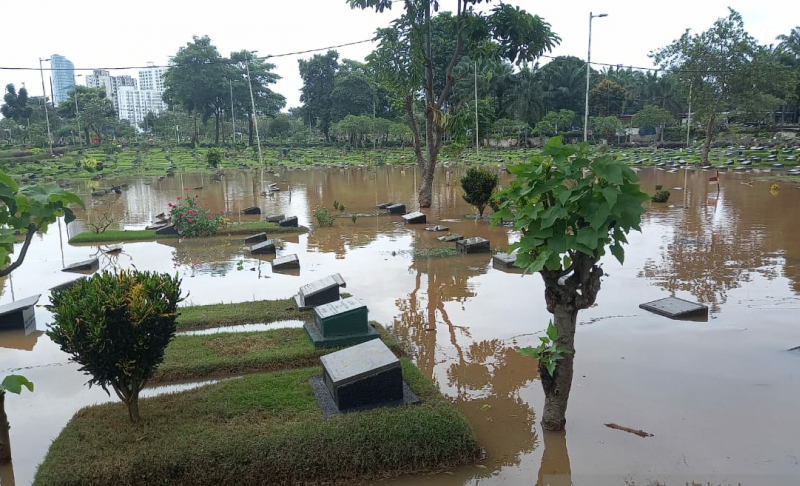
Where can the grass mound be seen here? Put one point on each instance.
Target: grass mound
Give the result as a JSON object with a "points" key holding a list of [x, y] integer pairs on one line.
{"points": [[247, 228], [219, 315], [260, 429], [229, 353]]}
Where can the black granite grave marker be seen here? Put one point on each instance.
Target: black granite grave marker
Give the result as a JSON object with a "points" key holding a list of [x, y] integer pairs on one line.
{"points": [[473, 245], [257, 238], [397, 209], [286, 262], [84, 266], [19, 314], [316, 293], [252, 210], [263, 248], [291, 221], [416, 217]]}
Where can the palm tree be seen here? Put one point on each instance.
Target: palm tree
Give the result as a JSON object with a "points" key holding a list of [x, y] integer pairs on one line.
{"points": [[790, 43], [526, 97]]}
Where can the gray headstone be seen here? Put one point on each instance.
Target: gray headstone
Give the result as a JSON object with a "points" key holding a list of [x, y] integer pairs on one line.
{"points": [[339, 279], [438, 227], [322, 291], [397, 209], [416, 217], [252, 210], [19, 314], [362, 375], [291, 221], [263, 248], [275, 218], [167, 230], [473, 245], [504, 260], [257, 238], [675, 308], [384, 205], [84, 266], [286, 262], [450, 238]]}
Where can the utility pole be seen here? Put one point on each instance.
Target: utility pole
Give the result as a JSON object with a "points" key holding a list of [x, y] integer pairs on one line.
{"points": [[588, 73], [46, 115], [253, 107], [477, 136], [689, 116], [233, 119]]}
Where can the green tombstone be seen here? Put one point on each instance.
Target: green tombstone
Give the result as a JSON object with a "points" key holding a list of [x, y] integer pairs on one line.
{"points": [[340, 323]]}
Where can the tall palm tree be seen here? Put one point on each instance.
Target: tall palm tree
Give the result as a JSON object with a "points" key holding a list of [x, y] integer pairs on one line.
{"points": [[526, 97], [790, 43]]}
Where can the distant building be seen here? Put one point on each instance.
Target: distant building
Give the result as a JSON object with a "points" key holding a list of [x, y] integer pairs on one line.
{"points": [[103, 79], [63, 74], [152, 78], [135, 104]]}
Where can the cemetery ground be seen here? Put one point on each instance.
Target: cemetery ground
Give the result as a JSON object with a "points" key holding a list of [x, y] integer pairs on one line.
{"points": [[232, 229], [263, 428]]}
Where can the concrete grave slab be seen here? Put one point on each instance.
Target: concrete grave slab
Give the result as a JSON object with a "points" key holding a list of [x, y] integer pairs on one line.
{"points": [[19, 314], [319, 292], [384, 205], [167, 230], [416, 217], [256, 238], [85, 266], [275, 218], [263, 248], [290, 222], [286, 262], [450, 238], [341, 323], [252, 210], [473, 245], [438, 227], [396, 209], [675, 308]]}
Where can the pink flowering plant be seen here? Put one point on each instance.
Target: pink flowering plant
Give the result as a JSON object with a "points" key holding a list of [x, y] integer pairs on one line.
{"points": [[192, 220]]}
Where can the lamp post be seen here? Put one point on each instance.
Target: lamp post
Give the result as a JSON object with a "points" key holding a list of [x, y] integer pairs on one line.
{"points": [[233, 118], [253, 108], [77, 113], [46, 115], [588, 74]]}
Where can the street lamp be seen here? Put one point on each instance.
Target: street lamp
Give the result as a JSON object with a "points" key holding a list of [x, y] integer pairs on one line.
{"points": [[588, 73], [77, 113], [253, 107], [46, 115]]}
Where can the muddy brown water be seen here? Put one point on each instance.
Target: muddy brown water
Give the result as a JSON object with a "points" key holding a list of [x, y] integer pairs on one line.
{"points": [[721, 397]]}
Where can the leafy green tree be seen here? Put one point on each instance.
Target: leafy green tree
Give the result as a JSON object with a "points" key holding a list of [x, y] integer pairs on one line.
{"points": [[195, 78], [607, 98], [560, 120], [652, 117], [405, 65], [724, 68], [26, 210], [606, 127], [117, 326], [353, 94], [479, 184], [318, 75], [95, 110], [280, 127], [15, 104], [564, 83], [569, 208]]}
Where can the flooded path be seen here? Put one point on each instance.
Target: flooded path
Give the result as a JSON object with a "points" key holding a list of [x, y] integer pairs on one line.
{"points": [[720, 396]]}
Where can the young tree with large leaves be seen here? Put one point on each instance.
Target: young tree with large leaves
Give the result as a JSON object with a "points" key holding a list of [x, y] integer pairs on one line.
{"points": [[725, 69], [570, 208], [25, 210], [405, 65]]}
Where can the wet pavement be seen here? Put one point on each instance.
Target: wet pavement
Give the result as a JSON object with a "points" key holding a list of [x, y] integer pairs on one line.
{"points": [[718, 396]]}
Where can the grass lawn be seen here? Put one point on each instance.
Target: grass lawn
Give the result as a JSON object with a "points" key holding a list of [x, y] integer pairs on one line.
{"points": [[220, 354], [246, 228], [257, 311], [256, 430]]}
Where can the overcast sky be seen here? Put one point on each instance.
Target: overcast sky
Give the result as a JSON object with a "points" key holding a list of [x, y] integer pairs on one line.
{"points": [[94, 33]]}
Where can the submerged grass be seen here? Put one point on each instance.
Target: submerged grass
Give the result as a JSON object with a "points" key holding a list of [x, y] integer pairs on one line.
{"points": [[246, 228], [257, 311], [259, 429], [220, 354]]}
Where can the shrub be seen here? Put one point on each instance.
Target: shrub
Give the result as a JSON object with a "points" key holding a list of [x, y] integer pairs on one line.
{"points": [[323, 217], [117, 326], [214, 157], [478, 185], [659, 187], [191, 220], [660, 197]]}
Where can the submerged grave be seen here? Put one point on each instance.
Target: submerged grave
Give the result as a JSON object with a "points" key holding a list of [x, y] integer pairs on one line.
{"points": [[675, 308], [19, 314]]}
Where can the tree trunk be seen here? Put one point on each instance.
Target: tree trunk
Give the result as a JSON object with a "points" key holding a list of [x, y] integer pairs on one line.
{"points": [[557, 388], [133, 408], [194, 136], [216, 128], [709, 137], [5, 439], [250, 129]]}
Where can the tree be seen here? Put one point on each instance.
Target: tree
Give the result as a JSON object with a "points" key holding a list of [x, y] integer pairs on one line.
{"points": [[15, 104], [405, 65], [560, 120], [606, 126], [195, 78], [26, 210], [280, 127], [95, 110], [267, 102], [651, 117], [318, 82], [607, 98], [723, 69], [353, 94], [570, 208], [117, 326], [479, 185], [564, 83]]}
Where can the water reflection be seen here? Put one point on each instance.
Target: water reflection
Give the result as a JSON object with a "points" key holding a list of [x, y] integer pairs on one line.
{"points": [[554, 469]]}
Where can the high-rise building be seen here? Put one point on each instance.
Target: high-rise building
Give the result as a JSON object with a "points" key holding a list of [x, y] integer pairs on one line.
{"points": [[152, 77], [63, 74], [103, 79], [135, 104]]}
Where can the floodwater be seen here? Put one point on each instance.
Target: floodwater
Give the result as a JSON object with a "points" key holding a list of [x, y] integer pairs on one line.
{"points": [[720, 397]]}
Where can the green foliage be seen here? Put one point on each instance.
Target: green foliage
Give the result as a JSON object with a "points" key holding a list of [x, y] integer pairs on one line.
{"points": [[15, 104], [354, 218], [117, 326], [660, 197], [214, 157], [651, 116], [548, 353], [323, 217], [479, 184], [191, 220], [28, 210], [14, 384], [564, 202], [607, 98], [318, 75], [606, 127]]}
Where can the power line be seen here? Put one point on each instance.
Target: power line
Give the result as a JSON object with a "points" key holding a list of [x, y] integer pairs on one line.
{"points": [[269, 56]]}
